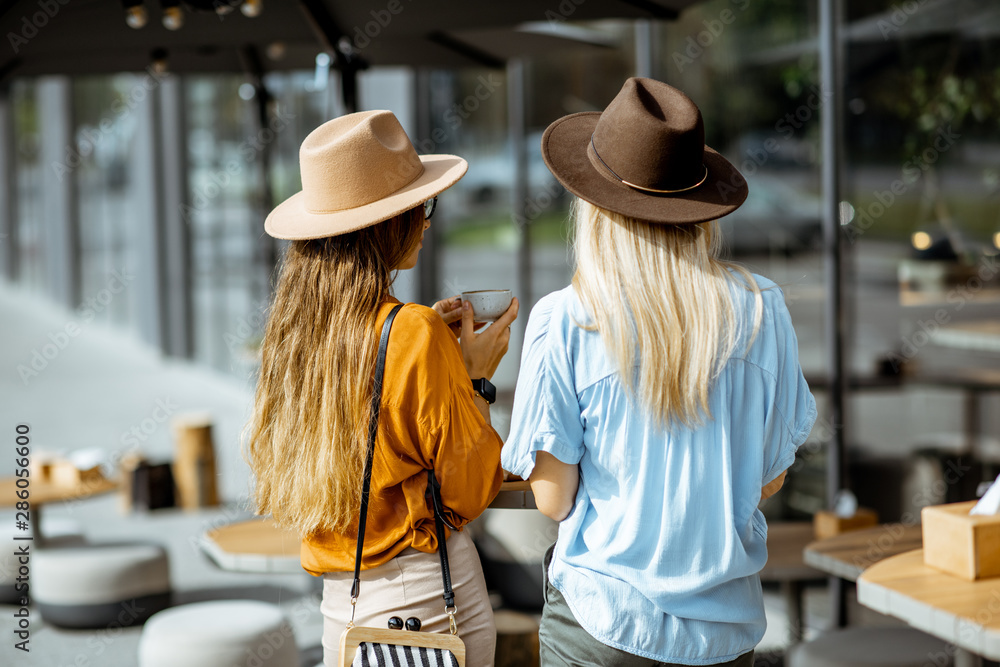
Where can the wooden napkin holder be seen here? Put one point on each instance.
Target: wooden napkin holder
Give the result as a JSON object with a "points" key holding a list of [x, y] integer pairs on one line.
{"points": [[962, 544], [65, 473], [827, 524]]}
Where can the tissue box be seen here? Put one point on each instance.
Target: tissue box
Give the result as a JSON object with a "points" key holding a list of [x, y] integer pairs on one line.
{"points": [[965, 545], [827, 524]]}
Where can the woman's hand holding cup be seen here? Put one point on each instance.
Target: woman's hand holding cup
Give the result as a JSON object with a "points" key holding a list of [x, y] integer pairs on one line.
{"points": [[482, 352]]}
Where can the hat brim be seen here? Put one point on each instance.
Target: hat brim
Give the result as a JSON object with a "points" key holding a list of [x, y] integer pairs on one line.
{"points": [[564, 149], [293, 221]]}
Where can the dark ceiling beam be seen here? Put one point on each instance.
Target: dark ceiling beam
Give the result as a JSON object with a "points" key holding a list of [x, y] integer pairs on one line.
{"points": [[250, 60], [654, 9], [6, 6], [471, 52], [330, 35], [7, 69], [326, 29]]}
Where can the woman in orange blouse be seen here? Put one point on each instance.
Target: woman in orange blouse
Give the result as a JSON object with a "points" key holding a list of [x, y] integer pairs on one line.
{"points": [[366, 201]]}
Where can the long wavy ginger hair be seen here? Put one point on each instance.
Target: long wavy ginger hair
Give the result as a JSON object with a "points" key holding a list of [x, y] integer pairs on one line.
{"points": [[661, 299], [307, 438]]}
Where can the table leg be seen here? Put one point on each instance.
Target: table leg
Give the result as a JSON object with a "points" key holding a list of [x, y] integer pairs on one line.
{"points": [[971, 435], [791, 591], [838, 602], [964, 658], [35, 519]]}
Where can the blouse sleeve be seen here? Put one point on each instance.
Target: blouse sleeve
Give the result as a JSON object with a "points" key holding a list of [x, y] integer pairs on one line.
{"points": [[462, 448], [794, 407], [546, 415]]}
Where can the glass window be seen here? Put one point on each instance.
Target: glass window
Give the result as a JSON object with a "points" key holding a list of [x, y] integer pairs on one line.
{"points": [[228, 199], [30, 182], [106, 160]]}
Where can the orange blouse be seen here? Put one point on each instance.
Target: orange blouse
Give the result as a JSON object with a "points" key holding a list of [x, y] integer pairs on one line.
{"points": [[427, 420]]}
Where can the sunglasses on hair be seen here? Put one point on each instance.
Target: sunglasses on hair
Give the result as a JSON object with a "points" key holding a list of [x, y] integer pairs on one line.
{"points": [[429, 206]]}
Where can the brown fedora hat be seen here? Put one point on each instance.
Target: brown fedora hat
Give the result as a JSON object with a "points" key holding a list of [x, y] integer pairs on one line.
{"points": [[358, 170], [645, 157]]}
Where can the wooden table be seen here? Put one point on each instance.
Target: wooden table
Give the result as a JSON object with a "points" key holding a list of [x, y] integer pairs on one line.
{"points": [[965, 613], [254, 545], [979, 336], [514, 495], [785, 543], [849, 554], [973, 382], [260, 545], [42, 493]]}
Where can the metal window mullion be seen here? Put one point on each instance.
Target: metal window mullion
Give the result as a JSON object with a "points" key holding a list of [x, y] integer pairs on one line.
{"points": [[176, 254], [517, 133], [60, 204], [8, 187], [148, 293]]}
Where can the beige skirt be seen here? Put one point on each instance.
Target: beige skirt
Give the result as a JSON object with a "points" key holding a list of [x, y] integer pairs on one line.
{"points": [[410, 585]]}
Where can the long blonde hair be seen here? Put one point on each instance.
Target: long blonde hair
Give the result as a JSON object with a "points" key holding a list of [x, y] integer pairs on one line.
{"points": [[660, 298], [307, 438]]}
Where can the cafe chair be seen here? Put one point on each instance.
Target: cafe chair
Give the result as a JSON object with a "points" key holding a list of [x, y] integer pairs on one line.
{"points": [[871, 647], [100, 585], [221, 632]]}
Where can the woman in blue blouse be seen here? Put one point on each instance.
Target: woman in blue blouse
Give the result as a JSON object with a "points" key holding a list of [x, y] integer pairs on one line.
{"points": [[660, 398]]}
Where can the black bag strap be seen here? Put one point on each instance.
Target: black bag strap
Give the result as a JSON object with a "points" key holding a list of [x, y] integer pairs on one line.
{"points": [[439, 522], [432, 483]]}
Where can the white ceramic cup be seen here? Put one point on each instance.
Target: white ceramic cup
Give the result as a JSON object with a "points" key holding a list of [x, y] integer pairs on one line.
{"points": [[488, 304]]}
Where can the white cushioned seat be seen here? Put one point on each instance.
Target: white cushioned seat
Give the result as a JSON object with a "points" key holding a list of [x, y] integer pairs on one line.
{"points": [[94, 586], [58, 532], [871, 647], [224, 633]]}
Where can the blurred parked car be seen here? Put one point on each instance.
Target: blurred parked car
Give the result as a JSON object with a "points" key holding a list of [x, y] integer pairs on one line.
{"points": [[491, 177], [776, 217]]}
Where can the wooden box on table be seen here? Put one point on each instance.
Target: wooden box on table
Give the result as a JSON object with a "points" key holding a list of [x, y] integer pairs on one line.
{"points": [[962, 544], [827, 524]]}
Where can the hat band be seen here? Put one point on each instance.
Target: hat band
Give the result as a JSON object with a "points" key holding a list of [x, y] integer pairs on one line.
{"points": [[641, 187]]}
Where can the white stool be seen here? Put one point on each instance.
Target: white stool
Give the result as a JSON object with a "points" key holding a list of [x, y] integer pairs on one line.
{"points": [[58, 532], [100, 585], [222, 633], [871, 647]]}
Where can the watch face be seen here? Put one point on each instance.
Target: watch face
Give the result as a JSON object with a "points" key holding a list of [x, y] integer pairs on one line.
{"points": [[485, 389]]}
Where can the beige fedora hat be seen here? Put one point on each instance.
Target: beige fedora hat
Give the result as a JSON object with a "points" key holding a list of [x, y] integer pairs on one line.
{"points": [[358, 170]]}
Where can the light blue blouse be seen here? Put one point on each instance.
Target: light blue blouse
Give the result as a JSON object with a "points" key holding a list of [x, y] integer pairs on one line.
{"points": [[661, 553]]}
